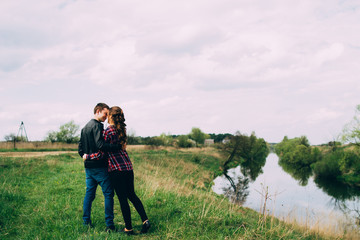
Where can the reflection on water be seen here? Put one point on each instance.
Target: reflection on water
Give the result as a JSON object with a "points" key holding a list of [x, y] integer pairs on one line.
{"points": [[338, 190], [237, 192], [250, 153], [316, 199], [300, 173]]}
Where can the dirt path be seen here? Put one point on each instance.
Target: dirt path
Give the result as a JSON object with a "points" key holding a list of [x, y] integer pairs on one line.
{"points": [[32, 154]]}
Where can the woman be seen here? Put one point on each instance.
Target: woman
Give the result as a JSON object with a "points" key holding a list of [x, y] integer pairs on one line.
{"points": [[121, 170]]}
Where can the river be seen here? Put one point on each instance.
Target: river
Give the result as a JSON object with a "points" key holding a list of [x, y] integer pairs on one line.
{"points": [[290, 201]]}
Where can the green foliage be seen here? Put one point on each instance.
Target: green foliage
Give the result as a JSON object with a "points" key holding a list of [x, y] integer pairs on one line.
{"points": [[333, 145], [301, 160], [254, 152], [68, 133], [183, 141], [162, 140], [296, 157], [351, 131], [12, 137], [132, 139], [287, 145], [328, 167], [51, 136], [154, 141], [198, 136], [218, 138], [341, 164], [196, 159], [349, 162], [166, 139], [248, 151], [195, 138]]}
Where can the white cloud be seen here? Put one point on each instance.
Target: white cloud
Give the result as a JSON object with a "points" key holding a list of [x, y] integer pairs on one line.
{"points": [[222, 66], [322, 115], [329, 53]]}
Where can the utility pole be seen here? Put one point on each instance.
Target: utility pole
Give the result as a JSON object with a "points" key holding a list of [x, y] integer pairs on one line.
{"points": [[22, 132]]}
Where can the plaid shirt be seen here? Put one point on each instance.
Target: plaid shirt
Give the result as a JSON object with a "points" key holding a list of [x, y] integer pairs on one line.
{"points": [[118, 160]]}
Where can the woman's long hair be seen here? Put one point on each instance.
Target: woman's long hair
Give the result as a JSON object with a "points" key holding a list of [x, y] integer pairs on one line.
{"points": [[117, 116]]}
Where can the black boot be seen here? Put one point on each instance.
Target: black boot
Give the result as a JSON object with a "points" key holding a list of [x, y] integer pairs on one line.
{"points": [[145, 227]]}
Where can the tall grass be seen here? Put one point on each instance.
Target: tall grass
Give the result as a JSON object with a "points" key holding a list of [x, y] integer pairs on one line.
{"points": [[37, 145], [41, 198]]}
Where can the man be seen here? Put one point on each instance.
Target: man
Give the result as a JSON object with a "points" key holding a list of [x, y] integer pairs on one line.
{"points": [[91, 141]]}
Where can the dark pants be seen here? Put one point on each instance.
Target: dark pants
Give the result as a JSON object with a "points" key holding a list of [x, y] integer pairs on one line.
{"points": [[123, 183]]}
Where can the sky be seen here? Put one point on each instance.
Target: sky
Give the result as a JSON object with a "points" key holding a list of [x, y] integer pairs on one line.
{"points": [[274, 67]]}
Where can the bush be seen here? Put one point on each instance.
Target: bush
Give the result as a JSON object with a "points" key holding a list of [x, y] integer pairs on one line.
{"points": [[328, 167], [154, 141], [184, 142], [296, 157]]}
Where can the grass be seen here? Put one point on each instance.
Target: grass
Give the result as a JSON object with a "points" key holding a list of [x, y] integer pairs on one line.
{"points": [[41, 198]]}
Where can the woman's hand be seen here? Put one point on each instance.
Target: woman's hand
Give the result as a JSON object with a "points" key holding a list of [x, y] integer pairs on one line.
{"points": [[84, 156]]}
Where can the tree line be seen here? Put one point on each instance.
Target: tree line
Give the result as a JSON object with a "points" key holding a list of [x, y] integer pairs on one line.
{"points": [[196, 138], [69, 133]]}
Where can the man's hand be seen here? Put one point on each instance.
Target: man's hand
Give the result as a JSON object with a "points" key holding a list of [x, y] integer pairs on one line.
{"points": [[85, 156]]}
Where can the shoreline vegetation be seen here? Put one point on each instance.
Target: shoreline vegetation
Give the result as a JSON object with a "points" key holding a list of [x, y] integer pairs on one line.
{"points": [[41, 198], [333, 161]]}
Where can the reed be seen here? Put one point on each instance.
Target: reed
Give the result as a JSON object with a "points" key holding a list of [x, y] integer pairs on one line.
{"points": [[329, 226]]}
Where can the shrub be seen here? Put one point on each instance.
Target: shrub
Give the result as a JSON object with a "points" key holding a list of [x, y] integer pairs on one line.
{"points": [[328, 167], [184, 142]]}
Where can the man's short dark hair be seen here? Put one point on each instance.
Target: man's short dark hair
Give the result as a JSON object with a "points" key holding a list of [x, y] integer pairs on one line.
{"points": [[100, 107]]}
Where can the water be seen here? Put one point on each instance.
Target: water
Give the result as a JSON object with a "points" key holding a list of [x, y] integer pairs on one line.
{"points": [[288, 200]]}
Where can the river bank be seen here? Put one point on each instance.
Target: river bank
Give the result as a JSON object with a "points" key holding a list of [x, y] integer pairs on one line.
{"points": [[43, 199], [306, 205]]}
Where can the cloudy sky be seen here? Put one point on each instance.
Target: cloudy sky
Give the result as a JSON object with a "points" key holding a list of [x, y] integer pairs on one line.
{"points": [[276, 67]]}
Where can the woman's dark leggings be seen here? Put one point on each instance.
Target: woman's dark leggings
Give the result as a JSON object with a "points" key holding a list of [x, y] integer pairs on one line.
{"points": [[123, 182]]}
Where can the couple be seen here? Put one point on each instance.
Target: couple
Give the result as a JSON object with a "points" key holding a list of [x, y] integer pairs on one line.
{"points": [[107, 164]]}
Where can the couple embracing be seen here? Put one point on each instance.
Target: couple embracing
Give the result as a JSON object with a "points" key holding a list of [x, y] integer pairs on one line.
{"points": [[107, 164]]}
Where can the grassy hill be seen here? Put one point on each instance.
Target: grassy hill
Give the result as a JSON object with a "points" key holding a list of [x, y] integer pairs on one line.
{"points": [[41, 198]]}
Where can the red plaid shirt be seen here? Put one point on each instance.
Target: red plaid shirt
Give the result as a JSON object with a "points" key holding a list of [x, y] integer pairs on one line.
{"points": [[118, 160]]}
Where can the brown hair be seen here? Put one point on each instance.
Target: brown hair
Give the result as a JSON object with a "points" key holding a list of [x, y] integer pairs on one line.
{"points": [[117, 116], [100, 107]]}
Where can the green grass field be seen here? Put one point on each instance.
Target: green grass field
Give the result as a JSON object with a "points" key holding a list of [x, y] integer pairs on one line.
{"points": [[41, 198]]}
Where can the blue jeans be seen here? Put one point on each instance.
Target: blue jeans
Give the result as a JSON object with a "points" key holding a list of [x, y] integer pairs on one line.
{"points": [[95, 177]]}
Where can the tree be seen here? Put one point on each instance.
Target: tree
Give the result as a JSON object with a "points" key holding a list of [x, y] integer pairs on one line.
{"points": [[132, 139], [218, 138], [198, 136], [249, 152], [351, 131], [296, 157], [166, 139], [67, 133], [12, 137]]}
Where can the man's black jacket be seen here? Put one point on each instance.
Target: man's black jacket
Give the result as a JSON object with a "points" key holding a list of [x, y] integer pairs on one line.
{"points": [[91, 141]]}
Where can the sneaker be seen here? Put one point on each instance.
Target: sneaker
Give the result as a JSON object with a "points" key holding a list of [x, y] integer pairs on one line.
{"points": [[110, 229], [145, 227]]}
